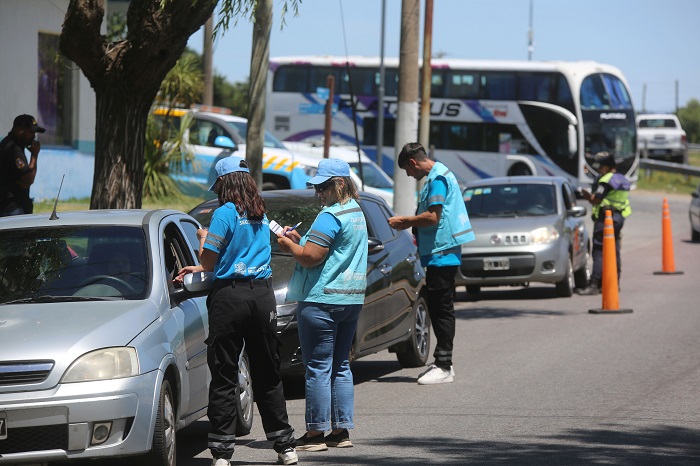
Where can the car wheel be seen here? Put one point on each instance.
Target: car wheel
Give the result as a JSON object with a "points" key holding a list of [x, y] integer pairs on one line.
{"points": [[565, 287], [473, 289], [583, 275], [270, 186], [244, 400], [414, 352], [694, 235], [164, 450]]}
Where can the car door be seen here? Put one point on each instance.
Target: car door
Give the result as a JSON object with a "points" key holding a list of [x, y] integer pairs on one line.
{"points": [[575, 227], [393, 267], [190, 314]]}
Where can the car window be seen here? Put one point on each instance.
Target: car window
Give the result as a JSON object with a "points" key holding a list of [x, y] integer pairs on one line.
{"points": [[511, 200], [569, 196], [190, 230], [176, 253], [204, 132], [84, 260], [377, 221]]}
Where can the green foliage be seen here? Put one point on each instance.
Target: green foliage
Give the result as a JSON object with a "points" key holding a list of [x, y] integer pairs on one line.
{"points": [[116, 27], [164, 158], [233, 96], [690, 120], [246, 9], [184, 83]]}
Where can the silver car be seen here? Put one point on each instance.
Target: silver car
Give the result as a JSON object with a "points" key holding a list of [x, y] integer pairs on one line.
{"points": [[528, 229], [694, 215], [102, 355]]}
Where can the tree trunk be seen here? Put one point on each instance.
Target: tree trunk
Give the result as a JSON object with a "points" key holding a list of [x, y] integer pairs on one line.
{"points": [[259, 66], [126, 76], [118, 178]]}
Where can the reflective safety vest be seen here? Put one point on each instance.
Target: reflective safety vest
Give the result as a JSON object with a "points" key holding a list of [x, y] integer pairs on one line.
{"points": [[454, 227], [616, 199], [342, 278]]}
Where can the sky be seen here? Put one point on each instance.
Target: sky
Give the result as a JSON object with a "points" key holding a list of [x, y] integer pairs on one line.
{"points": [[656, 44]]}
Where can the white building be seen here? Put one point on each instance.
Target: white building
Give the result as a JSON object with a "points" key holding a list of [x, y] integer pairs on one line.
{"points": [[36, 80]]}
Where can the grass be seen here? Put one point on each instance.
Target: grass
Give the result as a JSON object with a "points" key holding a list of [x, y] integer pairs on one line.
{"points": [[184, 204], [671, 183]]}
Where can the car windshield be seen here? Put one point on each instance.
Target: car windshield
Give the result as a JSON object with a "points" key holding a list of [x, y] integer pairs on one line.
{"points": [[510, 200], [241, 130], [373, 175], [283, 210], [73, 263]]}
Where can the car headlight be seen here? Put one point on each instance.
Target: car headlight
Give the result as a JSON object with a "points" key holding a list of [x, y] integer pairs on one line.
{"points": [[544, 235], [103, 364]]}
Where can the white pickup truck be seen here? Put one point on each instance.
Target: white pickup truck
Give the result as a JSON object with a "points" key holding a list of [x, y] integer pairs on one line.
{"points": [[660, 136]]}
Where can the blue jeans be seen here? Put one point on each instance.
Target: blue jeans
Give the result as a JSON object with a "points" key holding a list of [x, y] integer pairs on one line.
{"points": [[326, 332]]}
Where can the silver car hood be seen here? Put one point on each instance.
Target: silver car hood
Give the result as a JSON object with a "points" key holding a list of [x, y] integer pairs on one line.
{"points": [[66, 330]]}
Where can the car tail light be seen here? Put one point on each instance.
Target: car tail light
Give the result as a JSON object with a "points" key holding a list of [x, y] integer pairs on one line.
{"points": [[684, 139]]}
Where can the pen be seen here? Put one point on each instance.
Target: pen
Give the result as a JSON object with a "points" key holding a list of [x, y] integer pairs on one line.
{"points": [[294, 227]]}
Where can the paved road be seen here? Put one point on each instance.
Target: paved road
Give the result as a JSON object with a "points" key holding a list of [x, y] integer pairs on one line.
{"points": [[539, 380]]}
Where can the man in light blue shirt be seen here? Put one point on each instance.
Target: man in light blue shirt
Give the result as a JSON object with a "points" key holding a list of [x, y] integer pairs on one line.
{"points": [[443, 226]]}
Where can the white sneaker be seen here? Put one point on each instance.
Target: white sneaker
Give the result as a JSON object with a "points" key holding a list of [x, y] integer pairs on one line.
{"points": [[436, 375], [288, 456], [220, 462]]}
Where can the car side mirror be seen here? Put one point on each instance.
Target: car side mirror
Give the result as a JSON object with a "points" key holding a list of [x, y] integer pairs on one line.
{"points": [[225, 142], [374, 245], [194, 285], [578, 211]]}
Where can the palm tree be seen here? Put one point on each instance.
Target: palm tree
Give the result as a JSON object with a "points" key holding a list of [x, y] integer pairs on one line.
{"points": [[166, 150]]}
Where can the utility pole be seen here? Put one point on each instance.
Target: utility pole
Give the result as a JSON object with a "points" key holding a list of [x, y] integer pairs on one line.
{"points": [[426, 76], [259, 64], [530, 36], [644, 97], [676, 97], [208, 56], [407, 109], [380, 97]]}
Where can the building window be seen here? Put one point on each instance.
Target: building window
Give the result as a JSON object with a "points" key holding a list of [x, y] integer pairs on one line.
{"points": [[54, 101]]}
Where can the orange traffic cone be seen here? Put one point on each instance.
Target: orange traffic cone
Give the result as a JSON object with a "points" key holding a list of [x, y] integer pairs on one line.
{"points": [[610, 291], [668, 265]]}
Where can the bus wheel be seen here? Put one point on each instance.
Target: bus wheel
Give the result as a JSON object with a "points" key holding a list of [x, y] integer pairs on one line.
{"points": [[519, 169]]}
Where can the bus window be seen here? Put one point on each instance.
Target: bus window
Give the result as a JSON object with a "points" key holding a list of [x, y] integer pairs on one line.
{"points": [[593, 94], [437, 83], [291, 79], [461, 84], [363, 81], [535, 86], [391, 82], [564, 96], [498, 86], [618, 93], [318, 77]]}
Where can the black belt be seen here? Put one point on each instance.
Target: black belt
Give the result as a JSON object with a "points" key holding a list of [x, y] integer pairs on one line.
{"points": [[252, 282]]}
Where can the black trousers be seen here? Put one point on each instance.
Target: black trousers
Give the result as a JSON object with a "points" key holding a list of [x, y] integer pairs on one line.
{"points": [[597, 250], [244, 312], [441, 297]]}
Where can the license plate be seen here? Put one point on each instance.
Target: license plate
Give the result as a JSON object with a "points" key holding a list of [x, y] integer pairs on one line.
{"points": [[3, 426], [658, 152], [496, 263]]}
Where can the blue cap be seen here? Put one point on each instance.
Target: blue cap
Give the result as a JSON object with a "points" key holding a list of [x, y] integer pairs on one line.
{"points": [[327, 169], [229, 165]]}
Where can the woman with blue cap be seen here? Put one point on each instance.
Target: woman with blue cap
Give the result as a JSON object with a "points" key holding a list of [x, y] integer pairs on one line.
{"points": [[329, 282], [242, 309]]}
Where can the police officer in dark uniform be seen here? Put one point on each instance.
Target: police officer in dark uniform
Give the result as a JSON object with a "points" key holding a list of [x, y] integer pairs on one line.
{"points": [[610, 191], [242, 308], [16, 173]]}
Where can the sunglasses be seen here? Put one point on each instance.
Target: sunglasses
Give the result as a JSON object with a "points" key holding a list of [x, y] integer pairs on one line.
{"points": [[319, 188]]}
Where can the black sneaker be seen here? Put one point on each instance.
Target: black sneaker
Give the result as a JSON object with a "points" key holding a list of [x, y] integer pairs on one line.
{"points": [[589, 291], [339, 440], [311, 443]]}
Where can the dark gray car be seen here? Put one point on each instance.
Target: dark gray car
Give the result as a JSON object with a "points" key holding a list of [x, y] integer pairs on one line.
{"points": [[394, 315]]}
